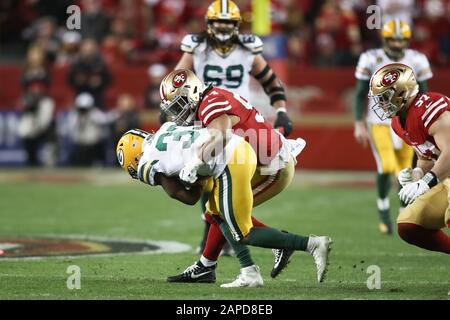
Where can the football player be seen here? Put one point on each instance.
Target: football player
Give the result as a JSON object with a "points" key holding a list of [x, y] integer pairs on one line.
{"points": [[222, 56], [390, 153], [160, 158], [422, 120], [185, 98]]}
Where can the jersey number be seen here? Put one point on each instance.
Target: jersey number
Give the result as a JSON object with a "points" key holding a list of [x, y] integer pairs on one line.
{"points": [[233, 75], [176, 136]]}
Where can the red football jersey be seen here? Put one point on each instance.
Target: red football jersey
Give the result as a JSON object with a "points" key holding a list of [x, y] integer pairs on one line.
{"points": [[252, 126], [422, 113]]}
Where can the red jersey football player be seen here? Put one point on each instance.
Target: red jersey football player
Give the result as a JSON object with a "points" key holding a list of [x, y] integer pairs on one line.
{"points": [[186, 100], [422, 120]]}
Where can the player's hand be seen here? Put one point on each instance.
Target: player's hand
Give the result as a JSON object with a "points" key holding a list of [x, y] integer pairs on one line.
{"points": [[360, 133], [412, 190], [405, 176], [283, 122], [189, 173]]}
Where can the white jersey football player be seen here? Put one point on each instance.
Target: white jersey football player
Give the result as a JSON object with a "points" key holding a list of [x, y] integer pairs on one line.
{"points": [[390, 153]]}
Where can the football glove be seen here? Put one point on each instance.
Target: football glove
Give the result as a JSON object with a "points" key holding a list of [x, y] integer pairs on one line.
{"points": [[412, 190], [284, 122], [405, 176], [189, 173]]}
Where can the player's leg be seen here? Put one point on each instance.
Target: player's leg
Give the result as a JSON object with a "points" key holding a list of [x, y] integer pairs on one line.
{"points": [[383, 152], [236, 203], [265, 187], [420, 223]]}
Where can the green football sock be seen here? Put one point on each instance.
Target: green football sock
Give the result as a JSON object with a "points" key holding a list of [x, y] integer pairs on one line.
{"points": [[241, 250], [267, 237], [383, 185]]}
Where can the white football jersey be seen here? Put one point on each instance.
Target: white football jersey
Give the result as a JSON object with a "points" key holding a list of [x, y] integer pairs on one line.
{"points": [[371, 60], [231, 71], [173, 146]]}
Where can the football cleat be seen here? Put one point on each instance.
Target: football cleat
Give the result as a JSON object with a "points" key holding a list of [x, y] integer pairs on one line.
{"points": [[196, 273], [249, 277], [281, 260], [385, 228], [319, 248]]}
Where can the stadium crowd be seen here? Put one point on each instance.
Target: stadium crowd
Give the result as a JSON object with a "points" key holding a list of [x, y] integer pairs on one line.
{"points": [[148, 33]]}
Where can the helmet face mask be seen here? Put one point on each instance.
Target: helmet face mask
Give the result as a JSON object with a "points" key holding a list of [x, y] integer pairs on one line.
{"points": [[383, 106], [181, 93], [223, 30]]}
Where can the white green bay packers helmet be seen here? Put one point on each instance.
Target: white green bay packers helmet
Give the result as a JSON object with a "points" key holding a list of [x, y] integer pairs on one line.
{"points": [[181, 93], [391, 88], [129, 150]]}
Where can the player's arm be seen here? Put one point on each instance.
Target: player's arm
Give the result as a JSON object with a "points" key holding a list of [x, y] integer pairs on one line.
{"points": [[186, 61], [440, 131], [274, 88], [219, 130], [176, 190], [360, 131]]}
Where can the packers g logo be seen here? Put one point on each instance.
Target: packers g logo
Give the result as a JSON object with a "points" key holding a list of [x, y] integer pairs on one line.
{"points": [[120, 157], [390, 78], [179, 79]]}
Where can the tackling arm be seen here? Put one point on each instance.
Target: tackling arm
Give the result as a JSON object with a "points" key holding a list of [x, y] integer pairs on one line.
{"points": [[274, 88], [176, 190]]}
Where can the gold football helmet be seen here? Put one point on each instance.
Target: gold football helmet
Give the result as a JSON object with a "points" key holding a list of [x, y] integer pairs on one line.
{"points": [[129, 150], [181, 92], [395, 34], [391, 87], [223, 18]]}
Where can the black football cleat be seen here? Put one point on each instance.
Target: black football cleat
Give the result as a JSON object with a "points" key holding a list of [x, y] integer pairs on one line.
{"points": [[196, 273], [281, 260]]}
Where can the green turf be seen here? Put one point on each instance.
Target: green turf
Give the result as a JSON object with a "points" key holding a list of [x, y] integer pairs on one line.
{"points": [[133, 210]]}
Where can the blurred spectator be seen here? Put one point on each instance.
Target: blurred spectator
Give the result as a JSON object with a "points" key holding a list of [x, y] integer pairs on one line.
{"points": [[42, 34], [338, 31], [88, 127], [128, 117], [94, 21], [36, 127], [70, 47], [35, 76], [89, 73], [396, 9], [119, 44], [155, 73]]}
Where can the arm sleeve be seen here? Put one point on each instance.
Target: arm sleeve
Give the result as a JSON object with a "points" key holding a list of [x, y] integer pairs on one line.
{"points": [[362, 87]]}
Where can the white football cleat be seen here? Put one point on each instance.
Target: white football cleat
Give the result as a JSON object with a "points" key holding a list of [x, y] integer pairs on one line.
{"points": [[249, 277], [319, 248]]}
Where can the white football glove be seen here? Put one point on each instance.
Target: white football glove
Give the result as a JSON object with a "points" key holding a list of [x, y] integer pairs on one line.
{"points": [[189, 173], [412, 190], [405, 176]]}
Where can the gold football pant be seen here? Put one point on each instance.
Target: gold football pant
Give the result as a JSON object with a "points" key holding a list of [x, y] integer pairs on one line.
{"points": [[431, 210], [387, 157]]}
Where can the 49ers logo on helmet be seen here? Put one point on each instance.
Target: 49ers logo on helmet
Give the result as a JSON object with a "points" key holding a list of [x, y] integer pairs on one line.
{"points": [[390, 78], [179, 79]]}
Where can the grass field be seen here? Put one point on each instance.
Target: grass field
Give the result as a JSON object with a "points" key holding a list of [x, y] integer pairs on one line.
{"points": [[105, 203]]}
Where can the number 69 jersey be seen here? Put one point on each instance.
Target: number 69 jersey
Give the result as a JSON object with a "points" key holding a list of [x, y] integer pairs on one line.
{"points": [[230, 71], [172, 146]]}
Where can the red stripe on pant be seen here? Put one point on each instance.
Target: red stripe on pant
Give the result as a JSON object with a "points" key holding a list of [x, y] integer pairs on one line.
{"points": [[433, 240]]}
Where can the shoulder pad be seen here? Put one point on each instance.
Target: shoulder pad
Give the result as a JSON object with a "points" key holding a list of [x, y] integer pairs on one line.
{"points": [[251, 42], [191, 41]]}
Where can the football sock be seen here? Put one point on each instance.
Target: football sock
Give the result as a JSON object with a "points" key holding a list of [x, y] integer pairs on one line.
{"points": [[383, 210], [267, 237], [257, 223], [383, 186], [241, 250], [214, 243], [206, 262], [433, 240]]}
